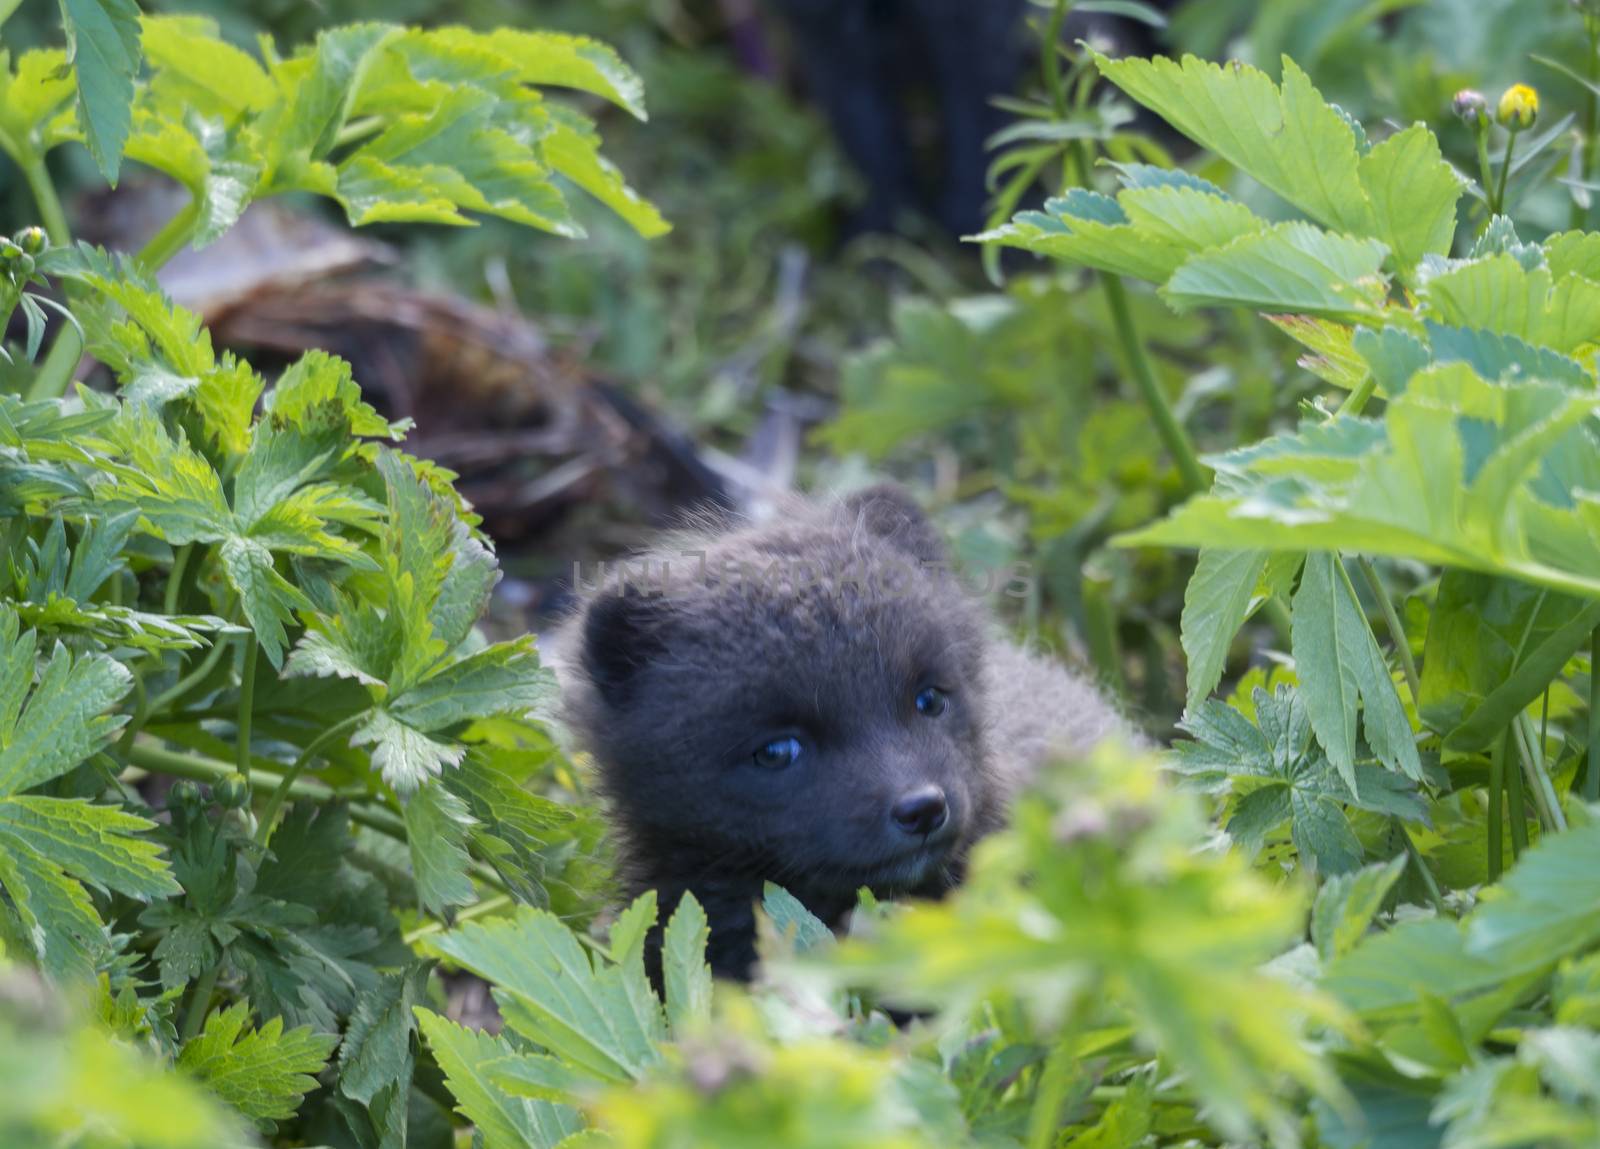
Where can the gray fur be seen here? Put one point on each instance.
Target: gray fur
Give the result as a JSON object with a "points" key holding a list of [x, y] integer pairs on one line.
{"points": [[674, 685]]}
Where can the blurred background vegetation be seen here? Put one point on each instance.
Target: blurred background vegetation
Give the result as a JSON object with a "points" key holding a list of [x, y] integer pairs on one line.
{"points": [[780, 337]]}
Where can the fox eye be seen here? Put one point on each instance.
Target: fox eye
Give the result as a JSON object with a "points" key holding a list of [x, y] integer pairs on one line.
{"points": [[931, 701], [778, 753]]}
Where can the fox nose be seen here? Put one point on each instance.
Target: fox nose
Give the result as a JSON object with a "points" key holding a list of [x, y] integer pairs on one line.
{"points": [[922, 811]]}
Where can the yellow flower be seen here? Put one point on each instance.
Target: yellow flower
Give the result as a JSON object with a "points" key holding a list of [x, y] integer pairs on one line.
{"points": [[1519, 107]]}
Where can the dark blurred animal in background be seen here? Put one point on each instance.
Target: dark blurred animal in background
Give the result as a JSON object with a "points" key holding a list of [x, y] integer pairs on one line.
{"points": [[860, 60]]}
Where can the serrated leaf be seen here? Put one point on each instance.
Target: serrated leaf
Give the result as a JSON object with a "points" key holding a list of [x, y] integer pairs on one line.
{"points": [[1215, 603], [1546, 907], [1498, 294], [1388, 972], [267, 598], [437, 823], [1413, 193], [1493, 646], [505, 678], [1342, 673], [791, 919], [376, 1051], [1463, 473], [1291, 141], [57, 916], [1346, 905], [566, 61], [94, 843], [1496, 357], [263, 1073], [212, 74], [103, 47], [1290, 267], [685, 974], [503, 1121], [604, 1019], [574, 151], [64, 720]]}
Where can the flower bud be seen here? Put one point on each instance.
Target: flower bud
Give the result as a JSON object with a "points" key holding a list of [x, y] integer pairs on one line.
{"points": [[1519, 108], [1472, 108], [232, 793], [31, 240]]}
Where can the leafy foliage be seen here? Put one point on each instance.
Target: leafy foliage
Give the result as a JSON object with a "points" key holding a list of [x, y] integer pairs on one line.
{"points": [[245, 582]]}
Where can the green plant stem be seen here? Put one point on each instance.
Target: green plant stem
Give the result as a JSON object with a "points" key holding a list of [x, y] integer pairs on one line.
{"points": [[1516, 810], [1357, 399], [1396, 631], [1485, 170], [55, 373], [247, 702], [1101, 632], [141, 710], [280, 794], [1167, 425], [43, 190], [1496, 822], [176, 692], [1421, 864], [1591, 780], [180, 563], [1551, 816], [173, 237], [194, 1017], [370, 814], [179, 764], [489, 905], [1505, 172], [1591, 118]]}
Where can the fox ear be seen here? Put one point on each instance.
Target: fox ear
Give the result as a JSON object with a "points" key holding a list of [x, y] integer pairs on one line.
{"points": [[888, 511], [623, 633]]}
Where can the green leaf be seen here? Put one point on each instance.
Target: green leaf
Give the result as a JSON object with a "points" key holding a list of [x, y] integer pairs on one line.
{"points": [[376, 1051], [262, 1073], [103, 47], [505, 678], [1290, 267], [1292, 142], [1215, 604], [1498, 294], [574, 151], [267, 598], [792, 920], [1346, 905], [632, 927], [601, 1018], [1303, 786], [560, 60], [686, 975], [1496, 357], [1545, 908], [210, 73], [30, 98], [538, 1077], [503, 1121], [1486, 477], [437, 823], [1342, 672], [1387, 974], [1493, 647], [407, 758], [1413, 193], [58, 919], [94, 843], [64, 720]]}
